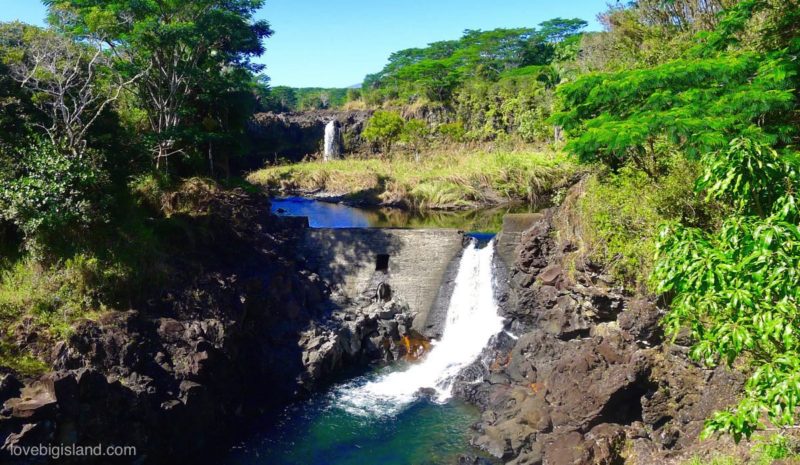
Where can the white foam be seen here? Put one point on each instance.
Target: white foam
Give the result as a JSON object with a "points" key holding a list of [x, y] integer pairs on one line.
{"points": [[472, 320]]}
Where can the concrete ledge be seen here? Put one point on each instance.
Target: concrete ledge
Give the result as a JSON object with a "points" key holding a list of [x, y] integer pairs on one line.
{"points": [[351, 259]]}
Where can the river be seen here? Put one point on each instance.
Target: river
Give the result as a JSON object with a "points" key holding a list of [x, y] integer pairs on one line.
{"points": [[380, 418], [334, 215]]}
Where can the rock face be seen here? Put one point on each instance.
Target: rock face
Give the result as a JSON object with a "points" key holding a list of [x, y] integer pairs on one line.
{"points": [[293, 136], [365, 333], [246, 330], [584, 376]]}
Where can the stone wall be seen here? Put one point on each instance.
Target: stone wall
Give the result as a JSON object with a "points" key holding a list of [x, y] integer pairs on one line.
{"points": [[348, 259]]}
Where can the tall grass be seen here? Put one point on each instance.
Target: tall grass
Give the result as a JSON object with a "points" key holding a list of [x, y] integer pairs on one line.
{"points": [[451, 180], [719, 460], [54, 297]]}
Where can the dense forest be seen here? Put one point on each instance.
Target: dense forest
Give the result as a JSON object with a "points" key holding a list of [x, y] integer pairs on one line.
{"points": [[286, 99], [680, 119]]}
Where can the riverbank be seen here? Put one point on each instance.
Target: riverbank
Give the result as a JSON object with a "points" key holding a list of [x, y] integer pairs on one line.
{"points": [[583, 373], [240, 329], [453, 180]]}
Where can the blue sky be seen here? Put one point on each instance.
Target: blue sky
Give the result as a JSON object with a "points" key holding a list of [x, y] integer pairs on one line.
{"points": [[335, 43]]}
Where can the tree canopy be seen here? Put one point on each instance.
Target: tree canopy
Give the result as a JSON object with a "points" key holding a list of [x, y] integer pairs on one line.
{"points": [[190, 59], [730, 102], [436, 71]]}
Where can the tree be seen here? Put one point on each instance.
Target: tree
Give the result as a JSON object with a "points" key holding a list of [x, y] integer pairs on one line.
{"points": [[437, 71], [434, 79], [648, 33], [71, 83], [52, 197], [176, 46], [17, 111], [698, 105], [558, 29], [280, 99], [384, 129]]}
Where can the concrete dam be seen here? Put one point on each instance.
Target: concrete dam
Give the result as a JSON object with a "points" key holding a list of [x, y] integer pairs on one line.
{"points": [[418, 265]]}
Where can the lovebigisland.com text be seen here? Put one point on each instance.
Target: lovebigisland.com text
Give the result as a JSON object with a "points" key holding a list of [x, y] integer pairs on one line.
{"points": [[57, 451]]}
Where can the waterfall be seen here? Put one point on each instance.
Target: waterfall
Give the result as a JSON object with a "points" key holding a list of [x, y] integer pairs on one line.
{"points": [[333, 141], [472, 320]]}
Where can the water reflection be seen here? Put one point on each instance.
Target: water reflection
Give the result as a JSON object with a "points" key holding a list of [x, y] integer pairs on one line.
{"points": [[332, 215]]}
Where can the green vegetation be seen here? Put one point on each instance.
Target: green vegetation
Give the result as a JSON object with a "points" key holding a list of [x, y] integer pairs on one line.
{"points": [[186, 65], [737, 287], [55, 297], [437, 71], [21, 361], [621, 213], [517, 103], [716, 460], [384, 129], [766, 450], [447, 180], [288, 99], [494, 84], [101, 116], [726, 101], [685, 114], [776, 447]]}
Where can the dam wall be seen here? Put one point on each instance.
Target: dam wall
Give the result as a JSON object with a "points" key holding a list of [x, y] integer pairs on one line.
{"points": [[418, 265], [413, 262]]}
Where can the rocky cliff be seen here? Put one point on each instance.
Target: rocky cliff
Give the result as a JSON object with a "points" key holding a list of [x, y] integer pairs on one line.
{"points": [[293, 136], [583, 374], [243, 330]]}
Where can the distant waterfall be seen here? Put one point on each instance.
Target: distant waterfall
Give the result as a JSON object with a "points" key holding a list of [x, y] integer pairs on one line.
{"points": [[333, 141], [472, 320]]}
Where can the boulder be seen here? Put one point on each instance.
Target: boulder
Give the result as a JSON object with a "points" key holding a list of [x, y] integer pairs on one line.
{"points": [[35, 403], [63, 386]]}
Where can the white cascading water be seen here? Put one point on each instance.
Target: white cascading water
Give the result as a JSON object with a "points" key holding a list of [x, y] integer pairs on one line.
{"points": [[472, 320], [332, 143]]}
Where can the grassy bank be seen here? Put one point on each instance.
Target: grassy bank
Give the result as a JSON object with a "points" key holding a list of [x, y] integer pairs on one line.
{"points": [[444, 180], [616, 217], [125, 265]]}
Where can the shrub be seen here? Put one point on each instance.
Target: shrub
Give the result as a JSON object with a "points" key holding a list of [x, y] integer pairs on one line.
{"points": [[52, 197], [415, 132], [736, 288], [452, 132], [384, 129], [148, 189], [621, 222], [56, 296], [775, 447], [533, 126], [621, 213], [20, 361]]}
